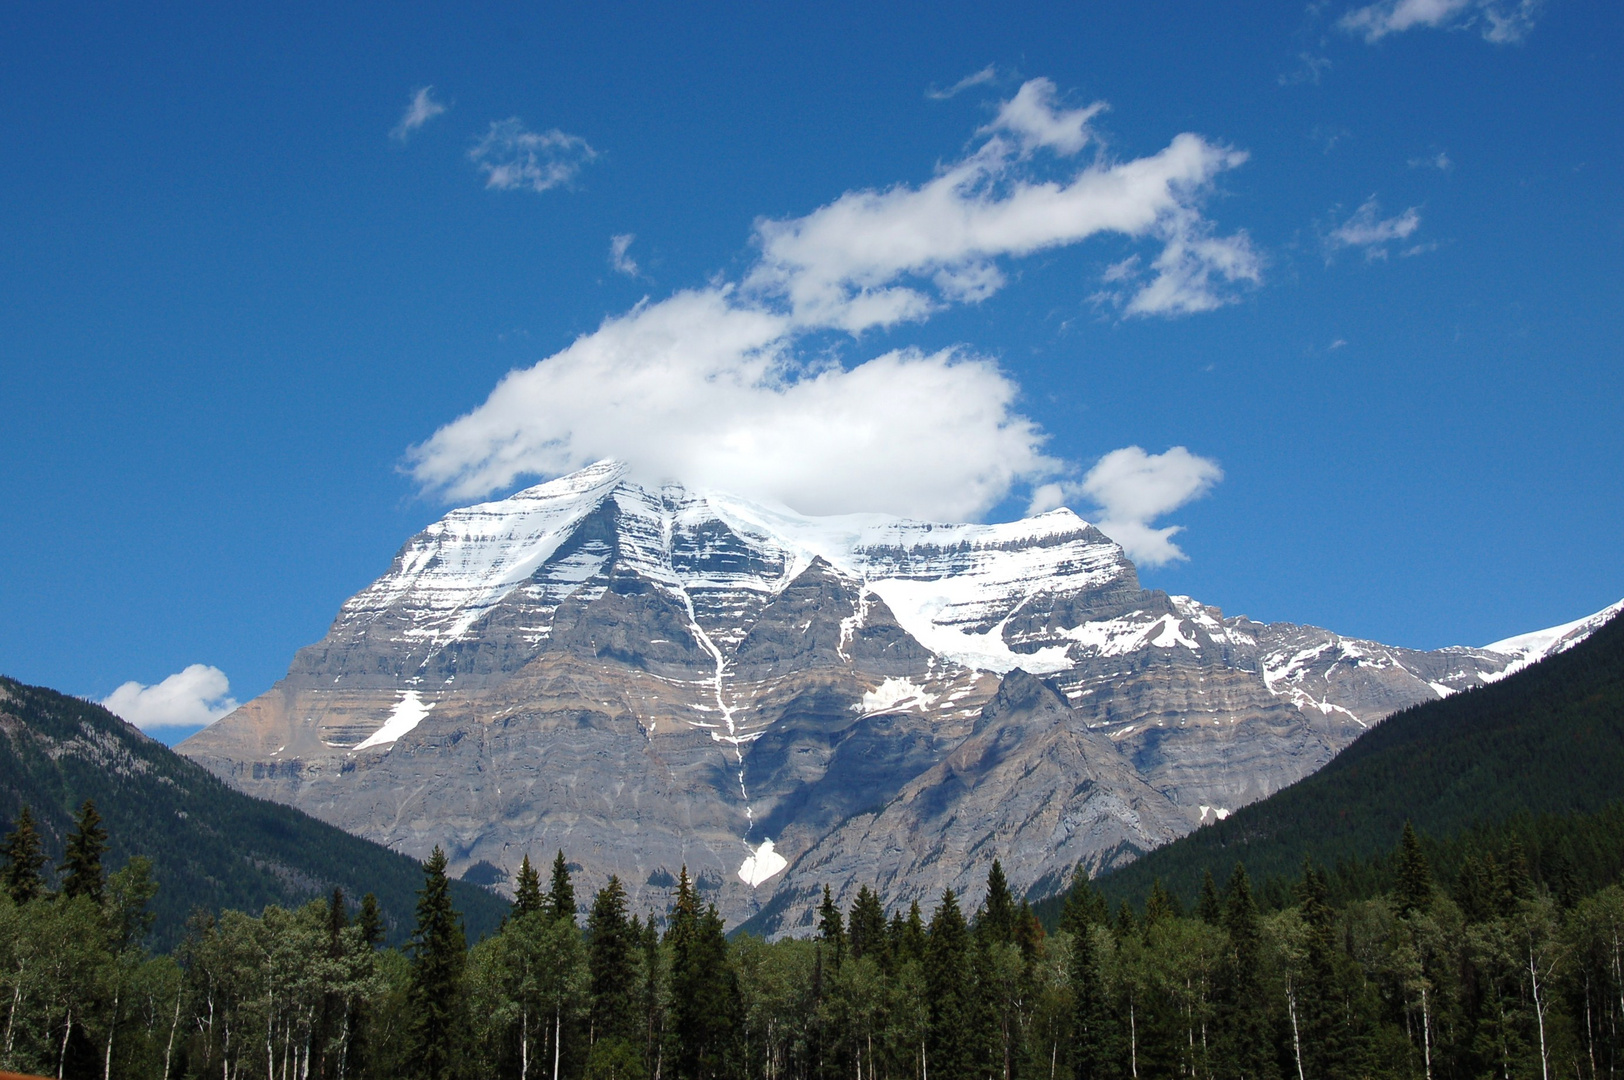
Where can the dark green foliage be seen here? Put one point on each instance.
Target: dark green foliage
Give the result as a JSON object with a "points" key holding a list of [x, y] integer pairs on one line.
{"points": [[867, 932], [1093, 1034], [1547, 740], [210, 846], [1207, 908], [81, 869], [1414, 892], [561, 893], [949, 1044], [526, 890], [1245, 1050], [25, 858], [704, 990], [612, 944], [438, 1023], [370, 920], [831, 933], [996, 920]]}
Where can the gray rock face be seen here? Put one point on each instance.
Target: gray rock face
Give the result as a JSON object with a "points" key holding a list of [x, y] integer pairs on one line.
{"points": [[651, 679]]}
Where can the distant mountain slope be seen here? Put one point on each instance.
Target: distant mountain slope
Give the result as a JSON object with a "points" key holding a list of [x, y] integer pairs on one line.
{"points": [[1548, 739], [211, 847]]}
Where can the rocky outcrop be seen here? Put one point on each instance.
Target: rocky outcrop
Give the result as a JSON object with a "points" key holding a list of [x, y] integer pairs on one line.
{"points": [[657, 678]]}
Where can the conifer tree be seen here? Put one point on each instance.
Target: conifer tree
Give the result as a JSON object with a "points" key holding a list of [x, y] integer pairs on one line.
{"points": [[1208, 909], [1028, 932], [830, 931], [526, 890], [908, 937], [81, 867], [1242, 1013], [435, 993], [370, 920], [1091, 1028], [704, 989], [1414, 876], [612, 967], [866, 929], [997, 917], [337, 915], [1126, 925], [561, 894], [1160, 906], [948, 1043], [25, 858]]}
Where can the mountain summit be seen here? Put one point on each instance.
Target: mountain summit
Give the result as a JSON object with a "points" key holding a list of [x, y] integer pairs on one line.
{"points": [[653, 677]]}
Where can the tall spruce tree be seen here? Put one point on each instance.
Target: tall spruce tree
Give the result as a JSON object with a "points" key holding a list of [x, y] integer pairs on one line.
{"points": [[561, 892], [1208, 909], [435, 1000], [949, 1040], [831, 933], [612, 968], [25, 858], [526, 890], [370, 920], [996, 920], [866, 929], [81, 868], [1092, 1030], [705, 1007], [1414, 875], [1245, 1051]]}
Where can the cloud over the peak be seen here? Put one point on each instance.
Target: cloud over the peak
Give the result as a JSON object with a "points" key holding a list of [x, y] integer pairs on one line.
{"points": [[1133, 489], [419, 111], [732, 385], [1499, 21], [513, 157], [197, 695]]}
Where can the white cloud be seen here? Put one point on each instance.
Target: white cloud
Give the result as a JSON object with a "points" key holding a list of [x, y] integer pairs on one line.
{"points": [[1439, 161], [420, 111], [713, 386], [512, 157], [197, 695], [978, 78], [1133, 489], [622, 262], [1367, 229], [1499, 21]]}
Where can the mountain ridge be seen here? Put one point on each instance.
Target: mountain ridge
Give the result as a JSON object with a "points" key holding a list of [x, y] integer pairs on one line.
{"points": [[653, 677]]}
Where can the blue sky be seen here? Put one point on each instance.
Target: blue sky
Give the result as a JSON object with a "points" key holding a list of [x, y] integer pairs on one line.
{"points": [[236, 293]]}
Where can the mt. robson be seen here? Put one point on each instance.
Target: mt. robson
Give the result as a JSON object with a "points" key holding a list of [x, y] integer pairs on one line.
{"points": [[652, 678]]}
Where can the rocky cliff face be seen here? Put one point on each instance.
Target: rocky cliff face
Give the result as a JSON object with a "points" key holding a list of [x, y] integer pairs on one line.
{"points": [[649, 679]]}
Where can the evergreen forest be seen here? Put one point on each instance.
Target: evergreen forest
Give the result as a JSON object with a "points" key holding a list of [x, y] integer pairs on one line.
{"points": [[1506, 968]]}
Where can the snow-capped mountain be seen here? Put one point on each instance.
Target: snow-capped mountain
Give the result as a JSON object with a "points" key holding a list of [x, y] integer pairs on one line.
{"points": [[655, 677]]}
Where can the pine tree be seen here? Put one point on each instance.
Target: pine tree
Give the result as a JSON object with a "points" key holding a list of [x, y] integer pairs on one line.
{"points": [[337, 914], [25, 858], [866, 929], [370, 920], [1414, 876], [561, 894], [1208, 910], [81, 867], [435, 993], [948, 1042], [527, 890], [1160, 906], [612, 967], [997, 917], [1028, 932]]}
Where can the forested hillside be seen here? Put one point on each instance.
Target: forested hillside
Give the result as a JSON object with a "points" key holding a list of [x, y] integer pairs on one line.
{"points": [[1548, 740], [211, 847]]}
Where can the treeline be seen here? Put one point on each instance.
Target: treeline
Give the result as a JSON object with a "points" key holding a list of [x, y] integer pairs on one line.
{"points": [[1488, 973]]}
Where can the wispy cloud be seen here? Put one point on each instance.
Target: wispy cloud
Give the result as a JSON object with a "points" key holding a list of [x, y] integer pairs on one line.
{"points": [[712, 385], [419, 111], [618, 258], [1310, 69], [1132, 490], [1368, 231], [512, 157], [200, 694], [986, 75], [1439, 161], [1499, 21]]}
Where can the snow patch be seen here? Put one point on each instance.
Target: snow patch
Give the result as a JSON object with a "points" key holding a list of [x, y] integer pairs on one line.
{"points": [[893, 694], [762, 864], [408, 712]]}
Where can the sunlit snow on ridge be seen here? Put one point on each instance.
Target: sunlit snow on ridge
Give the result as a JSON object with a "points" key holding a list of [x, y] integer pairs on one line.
{"points": [[763, 864]]}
